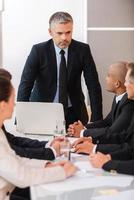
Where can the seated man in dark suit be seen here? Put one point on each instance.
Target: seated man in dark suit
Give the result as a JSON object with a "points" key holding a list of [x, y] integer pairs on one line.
{"points": [[112, 140], [119, 117], [122, 160]]}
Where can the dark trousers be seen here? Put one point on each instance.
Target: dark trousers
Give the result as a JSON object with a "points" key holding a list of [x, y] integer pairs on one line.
{"points": [[20, 194], [70, 117]]}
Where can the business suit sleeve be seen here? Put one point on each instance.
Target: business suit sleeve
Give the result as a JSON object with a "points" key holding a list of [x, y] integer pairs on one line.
{"points": [[26, 147], [23, 141], [41, 153], [124, 167], [93, 85], [126, 152], [107, 121], [122, 122], [108, 148], [112, 138], [28, 76]]}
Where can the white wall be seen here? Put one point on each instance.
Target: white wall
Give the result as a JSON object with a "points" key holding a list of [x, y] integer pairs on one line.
{"points": [[25, 22], [110, 32]]}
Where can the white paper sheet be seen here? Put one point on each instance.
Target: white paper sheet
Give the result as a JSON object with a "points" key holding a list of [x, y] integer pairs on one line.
{"points": [[86, 165], [118, 196]]}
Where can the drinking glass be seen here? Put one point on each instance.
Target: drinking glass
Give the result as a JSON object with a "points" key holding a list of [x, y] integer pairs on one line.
{"points": [[60, 128], [65, 147]]}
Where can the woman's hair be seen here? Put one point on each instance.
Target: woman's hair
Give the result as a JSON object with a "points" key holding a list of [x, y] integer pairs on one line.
{"points": [[5, 74], [5, 85]]}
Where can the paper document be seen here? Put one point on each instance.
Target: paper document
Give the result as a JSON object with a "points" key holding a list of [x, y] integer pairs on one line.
{"points": [[86, 165], [118, 196]]}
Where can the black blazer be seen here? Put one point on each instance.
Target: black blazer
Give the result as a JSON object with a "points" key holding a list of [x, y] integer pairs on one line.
{"points": [[119, 142], [116, 121], [123, 159], [124, 167], [122, 153], [40, 74], [29, 148]]}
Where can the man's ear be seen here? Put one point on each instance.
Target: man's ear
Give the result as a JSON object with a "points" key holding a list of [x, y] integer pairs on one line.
{"points": [[117, 84]]}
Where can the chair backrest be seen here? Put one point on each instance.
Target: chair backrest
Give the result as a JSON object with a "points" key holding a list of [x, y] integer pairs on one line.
{"points": [[39, 118]]}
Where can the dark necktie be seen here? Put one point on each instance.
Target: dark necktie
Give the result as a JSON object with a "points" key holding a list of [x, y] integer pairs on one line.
{"points": [[63, 97], [116, 108]]}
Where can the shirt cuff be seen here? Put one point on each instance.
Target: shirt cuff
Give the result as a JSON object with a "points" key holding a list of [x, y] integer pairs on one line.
{"points": [[49, 147], [82, 132], [94, 148]]}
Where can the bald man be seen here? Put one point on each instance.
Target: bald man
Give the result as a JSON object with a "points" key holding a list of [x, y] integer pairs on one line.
{"points": [[121, 112], [111, 133]]}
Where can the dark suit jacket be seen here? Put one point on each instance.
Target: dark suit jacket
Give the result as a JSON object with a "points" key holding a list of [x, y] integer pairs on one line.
{"points": [[29, 148], [124, 167], [40, 74], [116, 121], [120, 144], [123, 158]]}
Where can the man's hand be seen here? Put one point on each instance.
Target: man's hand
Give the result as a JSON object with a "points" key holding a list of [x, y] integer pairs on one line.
{"points": [[99, 159], [56, 146], [75, 129], [81, 140], [85, 147]]}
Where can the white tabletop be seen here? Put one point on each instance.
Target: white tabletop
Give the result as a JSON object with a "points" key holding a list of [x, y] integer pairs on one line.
{"points": [[87, 183]]}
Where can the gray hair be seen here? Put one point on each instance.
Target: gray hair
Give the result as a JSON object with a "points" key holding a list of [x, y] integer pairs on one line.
{"points": [[60, 17], [130, 67]]}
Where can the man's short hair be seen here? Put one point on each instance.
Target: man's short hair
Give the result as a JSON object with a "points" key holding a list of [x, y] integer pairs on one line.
{"points": [[60, 17], [130, 67]]}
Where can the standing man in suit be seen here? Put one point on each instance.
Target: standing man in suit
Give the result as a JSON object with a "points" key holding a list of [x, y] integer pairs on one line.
{"points": [[41, 77], [121, 112]]}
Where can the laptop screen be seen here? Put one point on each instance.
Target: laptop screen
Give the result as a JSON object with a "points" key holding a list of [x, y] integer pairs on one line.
{"points": [[39, 118]]}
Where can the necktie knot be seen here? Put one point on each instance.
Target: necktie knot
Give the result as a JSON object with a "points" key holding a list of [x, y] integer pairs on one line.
{"points": [[62, 52]]}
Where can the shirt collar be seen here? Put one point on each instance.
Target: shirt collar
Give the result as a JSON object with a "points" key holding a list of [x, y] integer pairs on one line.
{"points": [[57, 49], [119, 97]]}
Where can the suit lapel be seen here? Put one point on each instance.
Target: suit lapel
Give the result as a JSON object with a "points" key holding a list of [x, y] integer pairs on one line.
{"points": [[113, 108], [71, 59], [118, 106], [52, 60]]}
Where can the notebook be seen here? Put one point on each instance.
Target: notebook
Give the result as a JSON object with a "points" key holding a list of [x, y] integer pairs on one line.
{"points": [[39, 118]]}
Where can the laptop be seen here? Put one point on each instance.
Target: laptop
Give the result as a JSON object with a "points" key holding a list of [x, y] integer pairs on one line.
{"points": [[39, 118]]}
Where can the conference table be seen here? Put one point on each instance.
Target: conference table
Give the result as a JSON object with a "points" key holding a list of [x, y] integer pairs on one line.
{"points": [[87, 183]]}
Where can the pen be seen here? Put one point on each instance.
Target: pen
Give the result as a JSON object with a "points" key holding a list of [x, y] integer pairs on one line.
{"points": [[69, 156]]}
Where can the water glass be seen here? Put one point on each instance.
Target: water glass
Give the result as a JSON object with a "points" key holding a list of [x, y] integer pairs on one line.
{"points": [[60, 128], [65, 147]]}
